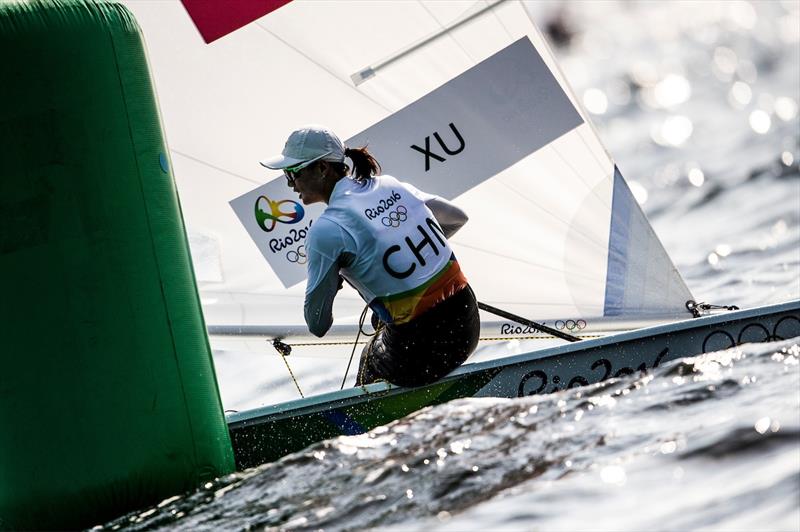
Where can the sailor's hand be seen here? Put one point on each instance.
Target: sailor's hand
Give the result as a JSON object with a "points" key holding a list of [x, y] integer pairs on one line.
{"points": [[341, 283]]}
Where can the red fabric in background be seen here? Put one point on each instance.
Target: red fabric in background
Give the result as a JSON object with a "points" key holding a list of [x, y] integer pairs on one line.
{"points": [[217, 18]]}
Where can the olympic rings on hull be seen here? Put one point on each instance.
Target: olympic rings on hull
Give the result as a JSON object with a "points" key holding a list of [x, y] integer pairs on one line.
{"points": [[571, 325], [395, 217], [297, 256]]}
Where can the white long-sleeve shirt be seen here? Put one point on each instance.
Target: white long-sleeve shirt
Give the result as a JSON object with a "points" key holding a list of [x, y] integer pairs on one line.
{"points": [[333, 247]]}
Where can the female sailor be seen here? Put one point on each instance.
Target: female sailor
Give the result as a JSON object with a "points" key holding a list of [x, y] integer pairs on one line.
{"points": [[389, 241]]}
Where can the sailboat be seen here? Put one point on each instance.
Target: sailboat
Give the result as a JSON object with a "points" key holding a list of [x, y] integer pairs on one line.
{"points": [[462, 99]]}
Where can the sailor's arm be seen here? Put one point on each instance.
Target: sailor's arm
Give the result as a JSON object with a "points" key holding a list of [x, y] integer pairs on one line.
{"points": [[449, 217], [318, 306], [325, 247]]}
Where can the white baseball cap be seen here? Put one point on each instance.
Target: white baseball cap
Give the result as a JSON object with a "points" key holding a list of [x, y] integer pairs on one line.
{"points": [[306, 145]]}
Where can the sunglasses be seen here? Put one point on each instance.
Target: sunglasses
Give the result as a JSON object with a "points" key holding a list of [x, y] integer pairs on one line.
{"points": [[291, 172]]}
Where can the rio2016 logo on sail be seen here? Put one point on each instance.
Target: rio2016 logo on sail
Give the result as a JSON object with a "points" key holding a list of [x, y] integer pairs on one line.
{"points": [[295, 236], [269, 213]]}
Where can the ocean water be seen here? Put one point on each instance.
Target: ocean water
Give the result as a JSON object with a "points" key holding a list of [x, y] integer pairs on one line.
{"points": [[709, 442], [698, 104]]}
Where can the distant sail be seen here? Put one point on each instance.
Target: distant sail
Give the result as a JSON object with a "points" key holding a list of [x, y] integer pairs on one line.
{"points": [[542, 240]]}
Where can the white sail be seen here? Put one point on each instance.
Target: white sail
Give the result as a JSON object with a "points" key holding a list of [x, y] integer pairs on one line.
{"points": [[553, 232]]}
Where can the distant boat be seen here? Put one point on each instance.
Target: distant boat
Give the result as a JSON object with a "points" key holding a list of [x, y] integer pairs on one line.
{"points": [[464, 100]]}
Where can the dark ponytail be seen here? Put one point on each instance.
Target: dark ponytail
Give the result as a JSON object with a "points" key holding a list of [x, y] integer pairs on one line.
{"points": [[364, 164]]}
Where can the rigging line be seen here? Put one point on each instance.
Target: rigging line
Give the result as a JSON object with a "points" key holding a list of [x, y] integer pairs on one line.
{"points": [[292, 374], [350, 361], [523, 261], [204, 163], [447, 31], [346, 82], [552, 215], [540, 336], [358, 335], [313, 344]]}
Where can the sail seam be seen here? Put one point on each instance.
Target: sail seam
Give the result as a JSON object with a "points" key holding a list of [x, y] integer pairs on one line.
{"points": [[578, 174], [552, 215], [447, 31], [609, 159], [322, 67], [529, 263], [205, 163], [367, 72], [499, 20]]}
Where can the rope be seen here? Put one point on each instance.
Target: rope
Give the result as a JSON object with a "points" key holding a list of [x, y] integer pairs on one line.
{"points": [[353, 352], [292, 375], [482, 339], [285, 350]]}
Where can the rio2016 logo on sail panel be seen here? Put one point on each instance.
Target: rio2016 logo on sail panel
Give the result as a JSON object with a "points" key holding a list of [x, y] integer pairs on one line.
{"points": [[269, 213]]}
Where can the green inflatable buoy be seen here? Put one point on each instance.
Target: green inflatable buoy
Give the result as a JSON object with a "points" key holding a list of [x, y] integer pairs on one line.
{"points": [[108, 397]]}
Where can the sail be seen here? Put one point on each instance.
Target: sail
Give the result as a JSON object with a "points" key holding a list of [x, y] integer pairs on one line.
{"points": [[554, 231]]}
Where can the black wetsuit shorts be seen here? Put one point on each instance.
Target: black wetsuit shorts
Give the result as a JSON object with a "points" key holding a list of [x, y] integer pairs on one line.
{"points": [[425, 349]]}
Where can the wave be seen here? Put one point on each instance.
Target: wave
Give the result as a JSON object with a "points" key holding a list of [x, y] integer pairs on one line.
{"points": [[685, 430]]}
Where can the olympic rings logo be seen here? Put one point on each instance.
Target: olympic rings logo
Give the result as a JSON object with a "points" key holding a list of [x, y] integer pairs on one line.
{"points": [[396, 217], [571, 325], [299, 256], [786, 327]]}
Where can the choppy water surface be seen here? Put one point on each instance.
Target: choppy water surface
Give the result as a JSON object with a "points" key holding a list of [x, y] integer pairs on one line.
{"points": [[703, 442], [698, 104]]}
